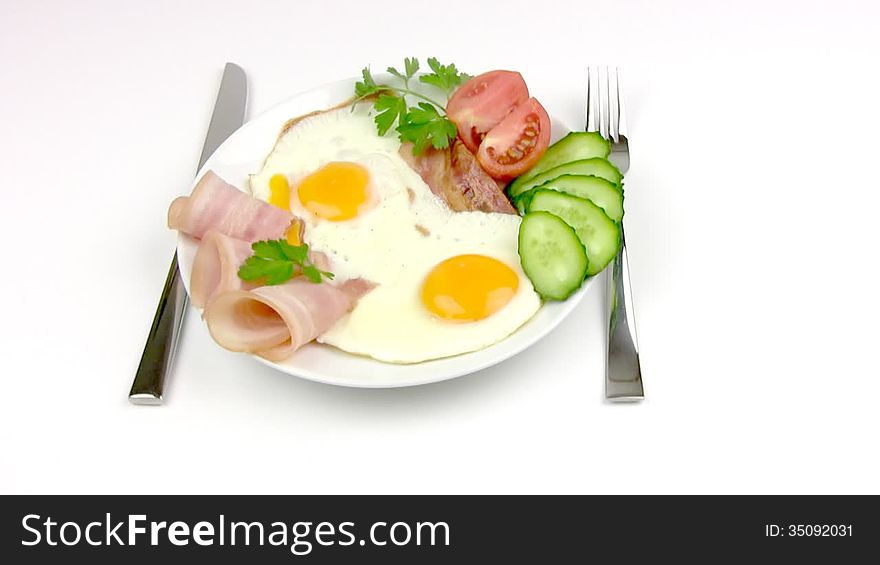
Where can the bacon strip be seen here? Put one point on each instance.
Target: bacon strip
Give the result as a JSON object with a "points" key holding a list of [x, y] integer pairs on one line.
{"points": [[275, 321], [454, 175], [216, 205]]}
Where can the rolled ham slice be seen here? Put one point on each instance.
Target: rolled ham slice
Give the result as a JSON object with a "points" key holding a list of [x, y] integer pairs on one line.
{"points": [[275, 321], [215, 267], [216, 205]]}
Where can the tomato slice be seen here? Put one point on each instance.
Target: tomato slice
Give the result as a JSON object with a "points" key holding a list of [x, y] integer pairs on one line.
{"points": [[515, 145], [482, 102]]}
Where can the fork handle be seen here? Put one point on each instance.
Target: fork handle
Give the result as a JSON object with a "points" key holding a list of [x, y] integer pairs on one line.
{"points": [[162, 341], [623, 374]]}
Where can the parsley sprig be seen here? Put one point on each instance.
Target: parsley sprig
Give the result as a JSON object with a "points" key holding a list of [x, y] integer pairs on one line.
{"points": [[275, 261], [423, 124]]}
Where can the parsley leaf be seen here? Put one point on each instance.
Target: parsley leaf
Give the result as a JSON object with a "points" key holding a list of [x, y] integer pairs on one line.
{"points": [[276, 261], [410, 67], [423, 125], [268, 250], [445, 77], [368, 86], [273, 271], [389, 108], [314, 274], [298, 254]]}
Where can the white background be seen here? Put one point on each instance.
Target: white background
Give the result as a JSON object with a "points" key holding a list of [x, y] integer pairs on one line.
{"points": [[752, 205]]}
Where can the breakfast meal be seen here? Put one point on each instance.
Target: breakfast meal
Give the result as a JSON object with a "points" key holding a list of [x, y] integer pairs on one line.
{"points": [[426, 217]]}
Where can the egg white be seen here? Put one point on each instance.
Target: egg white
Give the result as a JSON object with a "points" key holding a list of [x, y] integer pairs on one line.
{"points": [[406, 232]]}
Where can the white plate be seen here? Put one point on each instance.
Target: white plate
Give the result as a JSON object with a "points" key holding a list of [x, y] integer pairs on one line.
{"points": [[243, 153]]}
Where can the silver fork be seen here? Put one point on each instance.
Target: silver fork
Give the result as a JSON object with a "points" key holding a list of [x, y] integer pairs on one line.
{"points": [[605, 114]]}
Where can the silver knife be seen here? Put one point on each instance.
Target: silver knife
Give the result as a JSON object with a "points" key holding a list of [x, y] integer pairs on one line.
{"points": [[149, 381]]}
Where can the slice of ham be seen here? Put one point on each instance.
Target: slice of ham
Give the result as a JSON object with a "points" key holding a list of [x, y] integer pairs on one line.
{"points": [[275, 321], [454, 175], [216, 205], [215, 267]]}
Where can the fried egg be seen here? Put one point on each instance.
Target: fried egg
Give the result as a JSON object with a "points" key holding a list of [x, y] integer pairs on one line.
{"points": [[446, 282]]}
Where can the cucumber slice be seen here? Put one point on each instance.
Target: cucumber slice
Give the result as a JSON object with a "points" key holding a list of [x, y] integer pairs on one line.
{"points": [[596, 167], [552, 255], [575, 146], [599, 234], [597, 190]]}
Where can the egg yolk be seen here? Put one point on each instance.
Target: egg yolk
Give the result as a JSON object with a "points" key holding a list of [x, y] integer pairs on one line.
{"points": [[337, 191], [279, 192], [293, 232], [467, 288]]}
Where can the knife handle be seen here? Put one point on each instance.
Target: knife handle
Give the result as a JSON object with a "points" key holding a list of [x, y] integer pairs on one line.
{"points": [[161, 343]]}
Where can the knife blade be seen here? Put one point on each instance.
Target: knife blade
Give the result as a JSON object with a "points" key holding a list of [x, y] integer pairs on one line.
{"points": [[158, 356]]}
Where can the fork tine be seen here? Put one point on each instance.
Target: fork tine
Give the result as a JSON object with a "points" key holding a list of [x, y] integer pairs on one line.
{"points": [[613, 106], [603, 103], [621, 109], [592, 125]]}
